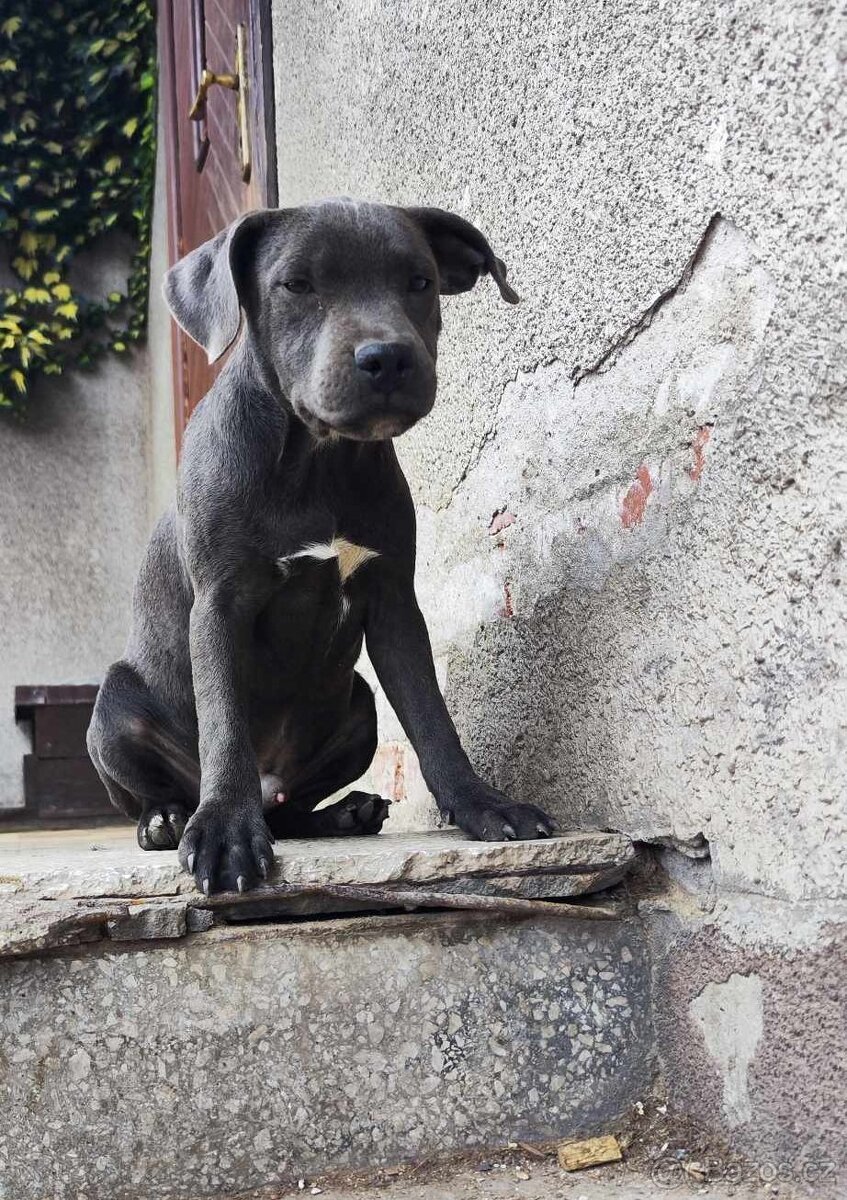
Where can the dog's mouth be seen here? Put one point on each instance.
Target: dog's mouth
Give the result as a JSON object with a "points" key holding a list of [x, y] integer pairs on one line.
{"points": [[371, 427], [377, 429]]}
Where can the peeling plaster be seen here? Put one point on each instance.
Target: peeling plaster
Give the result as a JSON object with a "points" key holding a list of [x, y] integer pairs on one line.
{"points": [[610, 355], [596, 467], [729, 1017]]}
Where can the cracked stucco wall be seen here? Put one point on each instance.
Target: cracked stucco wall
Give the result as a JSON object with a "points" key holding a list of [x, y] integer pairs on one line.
{"points": [[631, 494]]}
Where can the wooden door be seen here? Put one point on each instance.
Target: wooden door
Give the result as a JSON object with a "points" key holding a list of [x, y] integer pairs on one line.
{"points": [[223, 164]]}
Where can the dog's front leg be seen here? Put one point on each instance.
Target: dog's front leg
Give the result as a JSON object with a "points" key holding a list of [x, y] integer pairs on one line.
{"points": [[226, 844], [399, 648]]}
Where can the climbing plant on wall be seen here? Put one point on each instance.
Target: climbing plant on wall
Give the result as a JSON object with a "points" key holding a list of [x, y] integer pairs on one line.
{"points": [[77, 144]]}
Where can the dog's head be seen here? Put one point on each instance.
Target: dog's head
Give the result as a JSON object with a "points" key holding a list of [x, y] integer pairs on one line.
{"points": [[341, 302]]}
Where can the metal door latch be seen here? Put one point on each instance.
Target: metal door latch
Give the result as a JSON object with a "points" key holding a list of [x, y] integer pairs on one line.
{"points": [[237, 82]]}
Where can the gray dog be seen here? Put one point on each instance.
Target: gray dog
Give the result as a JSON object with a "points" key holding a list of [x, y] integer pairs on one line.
{"points": [[236, 708]]}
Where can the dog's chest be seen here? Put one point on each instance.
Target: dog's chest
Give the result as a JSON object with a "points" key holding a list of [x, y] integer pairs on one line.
{"points": [[319, 579]]}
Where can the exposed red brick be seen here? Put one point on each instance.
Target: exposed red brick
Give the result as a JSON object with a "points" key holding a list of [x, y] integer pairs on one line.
{"points": [[698, 449], [634, 503], [508, 609], [500, 521], [388, 771]]}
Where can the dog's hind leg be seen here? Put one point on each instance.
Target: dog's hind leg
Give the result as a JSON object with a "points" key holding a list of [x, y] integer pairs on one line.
{"points": [[148, 767], [341, 759]]}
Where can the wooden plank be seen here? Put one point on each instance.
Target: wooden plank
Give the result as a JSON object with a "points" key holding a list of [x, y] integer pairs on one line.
{"points": [[32, 696]]}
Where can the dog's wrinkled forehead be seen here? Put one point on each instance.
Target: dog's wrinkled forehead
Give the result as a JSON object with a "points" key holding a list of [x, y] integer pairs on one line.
{"points": [[343, 240], [355, 240]]}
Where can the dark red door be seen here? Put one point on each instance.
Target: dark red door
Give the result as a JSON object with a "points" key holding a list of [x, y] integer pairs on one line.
{"points": [[221, 163]]}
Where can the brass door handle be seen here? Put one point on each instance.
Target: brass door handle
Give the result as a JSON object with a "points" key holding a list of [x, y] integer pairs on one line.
{"points": [[208, 80], [237, 82]]}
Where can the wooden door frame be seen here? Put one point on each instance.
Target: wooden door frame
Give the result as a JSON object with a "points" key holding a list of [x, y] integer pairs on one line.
{"points": [[261, 51]]}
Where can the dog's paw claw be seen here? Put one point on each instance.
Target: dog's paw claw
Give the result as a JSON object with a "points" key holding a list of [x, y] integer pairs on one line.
{"points": [[491, 817], [224, 847]]}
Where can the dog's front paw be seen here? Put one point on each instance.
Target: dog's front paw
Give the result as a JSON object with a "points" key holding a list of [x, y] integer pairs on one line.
{"points": [[226, 848], [489, 816]]}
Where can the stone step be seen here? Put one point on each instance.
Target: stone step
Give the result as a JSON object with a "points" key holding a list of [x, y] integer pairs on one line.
{"points": [[58, 888], [153, 1057]]}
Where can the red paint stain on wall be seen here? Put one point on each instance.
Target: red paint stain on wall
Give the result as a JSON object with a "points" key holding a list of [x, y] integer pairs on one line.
{"points": [[508, 609], [634, 502], [501, 520], [698, 449]]}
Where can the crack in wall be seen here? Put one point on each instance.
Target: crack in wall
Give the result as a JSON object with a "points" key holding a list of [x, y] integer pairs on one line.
{"points": [[609, 356]]}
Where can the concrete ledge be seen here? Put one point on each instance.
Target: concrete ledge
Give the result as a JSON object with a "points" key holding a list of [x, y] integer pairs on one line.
{"points": [[79, 863], [65, 888]]}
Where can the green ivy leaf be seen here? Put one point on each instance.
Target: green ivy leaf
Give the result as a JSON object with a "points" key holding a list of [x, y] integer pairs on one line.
{"points": [[77, 144]]}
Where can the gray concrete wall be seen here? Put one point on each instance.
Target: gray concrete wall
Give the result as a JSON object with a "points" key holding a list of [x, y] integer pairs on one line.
{"points": [[73, 519], [653, 640], [632, 495]]}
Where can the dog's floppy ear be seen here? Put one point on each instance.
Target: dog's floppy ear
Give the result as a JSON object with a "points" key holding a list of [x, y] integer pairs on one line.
{"points": [[201, 290], [461, 251]]}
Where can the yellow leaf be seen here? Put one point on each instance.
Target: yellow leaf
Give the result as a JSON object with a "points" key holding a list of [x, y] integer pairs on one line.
{"points": [[23, 181], [25, 354], [18, 380], [8, 64], [35, 335], [37, 295], [111, 165], [45, 214], [52, 277], [129, 127], [53, 147], [25, 267], [61, 291], [11, 26], [9, 137], [29, 241], [13, 323], [68, 310]]}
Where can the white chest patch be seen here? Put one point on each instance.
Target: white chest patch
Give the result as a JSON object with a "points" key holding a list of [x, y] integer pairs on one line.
{"points": [[349, 556]]}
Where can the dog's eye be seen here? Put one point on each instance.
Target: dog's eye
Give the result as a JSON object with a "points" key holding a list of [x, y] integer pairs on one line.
{"points": [[419, 283], [298, 286]]}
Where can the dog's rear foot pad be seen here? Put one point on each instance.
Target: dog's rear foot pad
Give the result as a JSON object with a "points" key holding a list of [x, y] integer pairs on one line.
{"points": [[161, 826], [358, 813]]}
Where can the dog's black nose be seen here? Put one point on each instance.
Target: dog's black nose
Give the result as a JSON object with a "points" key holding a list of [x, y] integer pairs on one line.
{"points": [[387, 364]]}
